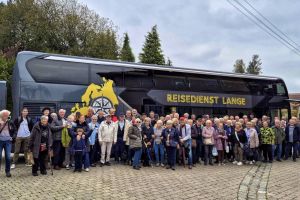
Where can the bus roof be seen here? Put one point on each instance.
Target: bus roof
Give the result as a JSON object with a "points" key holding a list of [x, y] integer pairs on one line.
{"points": [[86, 60]]}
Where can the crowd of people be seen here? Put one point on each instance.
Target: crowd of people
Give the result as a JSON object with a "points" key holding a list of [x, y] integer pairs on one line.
{"points": [[80, 142]]}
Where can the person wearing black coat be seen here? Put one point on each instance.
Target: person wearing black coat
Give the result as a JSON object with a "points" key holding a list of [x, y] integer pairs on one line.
{"points": [[147, 132], [239, 140], [24, 125], [292, 138], [40, 144]]}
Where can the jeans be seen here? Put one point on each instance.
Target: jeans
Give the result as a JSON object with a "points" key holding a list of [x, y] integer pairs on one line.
{"points": [[137, 157], [279, 151], [208, 153], [58, 153], [159, 151], [171, 153], [190, 159], [19, 143], [119, 149], [6, 145], [289, 146], [40, 162]]}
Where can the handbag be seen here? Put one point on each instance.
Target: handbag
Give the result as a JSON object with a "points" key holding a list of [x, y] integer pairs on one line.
{"points": [[43, 147], [227, 149], [214, 151], [30, 158], [194, 143], [207, 141]]}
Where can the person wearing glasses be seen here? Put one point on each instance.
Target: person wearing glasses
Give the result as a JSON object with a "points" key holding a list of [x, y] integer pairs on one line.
{"points": [[94, 143], [135, 142]]}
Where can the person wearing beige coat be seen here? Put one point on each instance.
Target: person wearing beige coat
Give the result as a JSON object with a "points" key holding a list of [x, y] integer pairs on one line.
{"points": [[107, 134], [253, 141]]}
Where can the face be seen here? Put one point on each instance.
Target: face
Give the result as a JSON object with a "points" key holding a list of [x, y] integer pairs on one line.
{"points": [[190, 122], [24, 112], [151, 114], [108, 119], [134, 112], [182, 123], [46, 112], [44, 122], [208, 123], [81, 119], [277, 123], [61, 113], [121, 117], [79, 132], [128, 113], [90, 112], [138, 122], [94, 120], [147, 122], [100, 113], [169, 125], [159, 124], [5, 116], [248, 125], [238, 127], [265, 124]]}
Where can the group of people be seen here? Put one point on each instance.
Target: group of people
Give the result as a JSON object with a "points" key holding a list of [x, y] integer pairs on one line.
{"points": [[82, 141]]}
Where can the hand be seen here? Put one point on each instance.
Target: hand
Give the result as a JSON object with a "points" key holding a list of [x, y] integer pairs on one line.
{"points": [[181, 140], [83, 136], [78, 137], [149, 144], [145, 137]]}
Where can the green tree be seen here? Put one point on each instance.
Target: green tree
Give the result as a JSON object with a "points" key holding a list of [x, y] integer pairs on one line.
{"points": [[254, 66], [239, 66], [152, 52], [126, 51]]}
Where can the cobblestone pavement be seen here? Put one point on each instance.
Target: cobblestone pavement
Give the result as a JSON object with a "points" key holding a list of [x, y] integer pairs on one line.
{"points": [[122, 182]]}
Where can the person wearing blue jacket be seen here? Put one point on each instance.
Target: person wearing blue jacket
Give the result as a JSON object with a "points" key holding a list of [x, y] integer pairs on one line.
{"points": [[93, 139], [79, 149]]}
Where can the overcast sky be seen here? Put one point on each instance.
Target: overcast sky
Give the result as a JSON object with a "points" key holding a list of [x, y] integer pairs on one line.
{"points": [[210, 34]]}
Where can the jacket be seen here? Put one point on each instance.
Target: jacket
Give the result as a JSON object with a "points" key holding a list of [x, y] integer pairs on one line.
{"points": [[296, 134], [241, 136], [135, 137], [220, 139], [148, 132], [94, 133], [253, 140], [208, 133], [267, 135], [107, 132], [125, 137], [279, 135], [19, 120], [171, 135], [35, 139], [12, 129], [56, 128]]}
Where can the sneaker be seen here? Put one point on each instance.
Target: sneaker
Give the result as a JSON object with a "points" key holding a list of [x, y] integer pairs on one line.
{"points": [[223, 164], [239, 163], [13, 166], [162, 165], [168, 167], [251, 163], [67, 167], [136, 168], [173, 168], [234, 162], [28, 165], [157, 164], [8, 174], [87, 169]]}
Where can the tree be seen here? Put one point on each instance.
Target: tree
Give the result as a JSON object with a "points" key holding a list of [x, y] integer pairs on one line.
{"points": [[152, 52], [239, 66], [254, 66], [126, 52]]}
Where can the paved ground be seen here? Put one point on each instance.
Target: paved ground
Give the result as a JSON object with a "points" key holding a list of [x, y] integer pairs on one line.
{"points": [[122, 182]]}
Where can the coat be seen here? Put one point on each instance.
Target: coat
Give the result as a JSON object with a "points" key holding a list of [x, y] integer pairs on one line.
{"points": [[296, 134], [125, 137], [253, 140], [267, 136], [220, 139], [135, 137], [279, 135], [56, 128], [107, 132], [19, 120], [12, 129], [208, 133], [35, 140]]}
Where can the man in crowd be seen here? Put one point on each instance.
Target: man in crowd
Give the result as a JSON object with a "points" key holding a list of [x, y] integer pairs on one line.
{"points": [[122, 129], [185, 139], [292, 138], [24, 125], [101, 117]]}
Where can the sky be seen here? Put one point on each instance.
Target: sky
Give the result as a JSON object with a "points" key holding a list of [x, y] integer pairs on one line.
{"points": [[210, 34]]}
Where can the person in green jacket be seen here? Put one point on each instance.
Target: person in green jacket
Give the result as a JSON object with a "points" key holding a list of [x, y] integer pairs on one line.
{"points": [[267, 136], [279, 138]]}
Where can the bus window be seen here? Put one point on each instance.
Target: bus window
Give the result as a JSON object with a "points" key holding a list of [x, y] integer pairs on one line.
{"points": [[109, 72], [202, 84], [59, 72], [163, 82], [280, 90], [234, 86], [136, 78]]}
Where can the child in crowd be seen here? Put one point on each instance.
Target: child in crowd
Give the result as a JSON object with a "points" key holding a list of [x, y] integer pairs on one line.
{"points": [[79, 149]]}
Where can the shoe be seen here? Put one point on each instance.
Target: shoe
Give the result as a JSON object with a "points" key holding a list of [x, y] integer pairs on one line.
{"points": [[87, 169], [57, 168], [67, 167], [211, 164], [136, 168], [101, 164], [13, 166], [264, 161], [107, 163], [270, 161], [35, 174], [239, 163], [168, 167], [157, 164], [190, 167], [219, 164], [285, 158], [79, 170], [93, 165], [8, 174], [75, 170], [294, 160], [162, 165], [28, 165], [205, 164], [194, 165], [173, 168], [223, 164], [44, 172], [250, 163], [278, 160], [235, 162]]}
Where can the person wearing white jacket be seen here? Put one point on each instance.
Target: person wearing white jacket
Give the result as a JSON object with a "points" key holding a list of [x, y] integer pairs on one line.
{"points": [[107, 133]]}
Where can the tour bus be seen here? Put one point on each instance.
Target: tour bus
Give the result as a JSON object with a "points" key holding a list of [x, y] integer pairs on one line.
{"points": [[77, 83], [3, 96]]}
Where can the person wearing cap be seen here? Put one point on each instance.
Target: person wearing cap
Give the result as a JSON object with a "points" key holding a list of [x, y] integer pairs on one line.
{"points": [[7, 135], [122, 126], [46, 111], [107, 137]]}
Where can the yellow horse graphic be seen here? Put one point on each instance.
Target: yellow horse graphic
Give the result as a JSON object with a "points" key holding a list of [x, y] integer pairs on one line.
{"points": [[99, 97]]}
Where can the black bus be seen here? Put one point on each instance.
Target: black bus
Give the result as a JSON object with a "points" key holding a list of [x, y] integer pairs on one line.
{"points": [[76, 83]]}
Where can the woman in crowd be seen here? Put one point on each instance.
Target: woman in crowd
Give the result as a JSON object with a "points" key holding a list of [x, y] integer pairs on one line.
{"points": [[267, 140], [253, 142], [147, 132], [171, 141], [220, 142], [93, 139], [208, 133], [135, 142], [240, 139], [157, 143]]}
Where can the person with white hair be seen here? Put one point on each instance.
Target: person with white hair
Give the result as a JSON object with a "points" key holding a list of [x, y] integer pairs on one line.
{"points": [[7, 135]]}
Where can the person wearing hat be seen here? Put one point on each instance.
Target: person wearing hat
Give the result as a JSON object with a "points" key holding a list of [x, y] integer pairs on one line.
{"points": [[122, 126], [46, 111], [107, 137]]}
